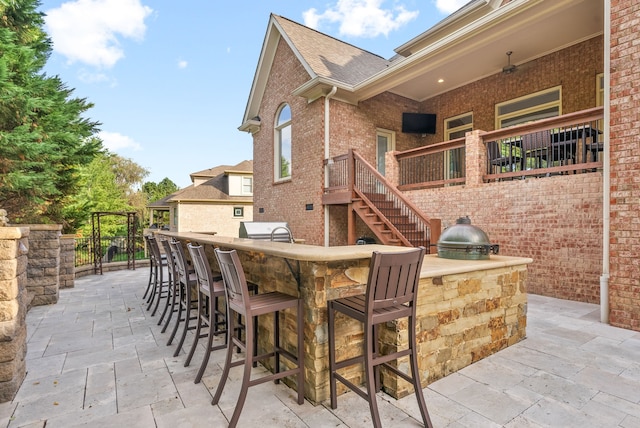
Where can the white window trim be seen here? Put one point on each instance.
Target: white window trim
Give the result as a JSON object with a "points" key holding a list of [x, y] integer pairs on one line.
{"points": [[277, 148], [599, 89], [242, 184], [539, 107], [448, 131], [391, 141]]}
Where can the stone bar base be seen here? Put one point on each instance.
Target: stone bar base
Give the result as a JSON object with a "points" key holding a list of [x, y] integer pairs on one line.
{"points": [[466, 310], [13, 309]]}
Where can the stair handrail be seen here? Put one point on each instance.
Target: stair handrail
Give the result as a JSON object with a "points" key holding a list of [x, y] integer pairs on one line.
{"points": [[433, 225]]}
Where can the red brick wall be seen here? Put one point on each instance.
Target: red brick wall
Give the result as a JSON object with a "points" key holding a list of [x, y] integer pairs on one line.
{"points": [[624, 281], [287, 201], [556, 221]]}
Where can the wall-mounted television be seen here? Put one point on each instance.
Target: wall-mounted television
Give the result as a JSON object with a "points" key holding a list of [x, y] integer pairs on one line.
{"points": [[418, 123]]}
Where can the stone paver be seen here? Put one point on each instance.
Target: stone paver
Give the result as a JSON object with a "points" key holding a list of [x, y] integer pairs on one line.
{"points": [[97, 358]]}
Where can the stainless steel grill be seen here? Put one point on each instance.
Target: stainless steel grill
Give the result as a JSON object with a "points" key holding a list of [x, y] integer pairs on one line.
{"points": [[266, 230]]}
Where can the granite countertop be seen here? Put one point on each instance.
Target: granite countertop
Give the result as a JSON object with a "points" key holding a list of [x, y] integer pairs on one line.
{"points": [[432, 265]]}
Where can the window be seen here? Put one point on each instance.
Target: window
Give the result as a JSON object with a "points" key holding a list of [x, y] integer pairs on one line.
{"points": [[282, 158], [540, 105], [238, 211], [175, 216], [456, 127], [247, 185], [386, 142], [599, 89]]}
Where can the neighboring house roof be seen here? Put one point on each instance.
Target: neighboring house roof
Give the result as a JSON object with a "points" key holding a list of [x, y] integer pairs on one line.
{"points": [[210, 190], [160, 203], [210, 185], [244, 167], [466, 46]]}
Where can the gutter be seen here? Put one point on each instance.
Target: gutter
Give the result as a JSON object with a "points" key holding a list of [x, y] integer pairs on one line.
{"points": [[327, 154], [606, 167]]}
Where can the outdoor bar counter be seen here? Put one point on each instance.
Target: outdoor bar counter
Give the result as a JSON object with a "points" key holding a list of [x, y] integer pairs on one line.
{"points": [[466, 310]]}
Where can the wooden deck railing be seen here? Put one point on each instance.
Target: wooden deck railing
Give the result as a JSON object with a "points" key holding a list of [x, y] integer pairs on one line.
{"points": [[570, 143], [351, 176], [437, 165]]}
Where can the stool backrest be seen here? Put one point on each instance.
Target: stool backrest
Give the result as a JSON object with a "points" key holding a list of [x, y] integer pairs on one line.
{"points": [[171, 260], [393, 278], [235, 282], [201, 265], [181, 262], [155, 250]]}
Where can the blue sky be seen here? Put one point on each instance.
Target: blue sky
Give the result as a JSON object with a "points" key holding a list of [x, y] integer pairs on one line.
{"points": [[169, 79]]}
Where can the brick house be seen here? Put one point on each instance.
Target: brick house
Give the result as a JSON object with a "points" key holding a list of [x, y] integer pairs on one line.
{"points": [[217, 201], [493, 77]]}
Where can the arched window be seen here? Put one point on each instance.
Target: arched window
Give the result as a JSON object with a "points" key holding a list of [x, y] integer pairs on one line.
{"points": [[282, 158]]}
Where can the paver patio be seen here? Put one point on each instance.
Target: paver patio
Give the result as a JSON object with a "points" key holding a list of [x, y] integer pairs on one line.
{"points": [[97, 358]]}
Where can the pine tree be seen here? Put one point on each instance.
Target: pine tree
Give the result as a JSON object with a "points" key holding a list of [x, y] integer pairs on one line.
{"points": [[44, 138]]}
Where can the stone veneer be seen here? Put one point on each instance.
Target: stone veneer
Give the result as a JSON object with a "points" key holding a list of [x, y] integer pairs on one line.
{"points": [[43, 265], [67, 271], [13, 309], [464, 314]]}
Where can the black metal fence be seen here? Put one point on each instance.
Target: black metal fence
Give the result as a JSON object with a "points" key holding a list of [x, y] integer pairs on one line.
{"points": [[114, 249]]}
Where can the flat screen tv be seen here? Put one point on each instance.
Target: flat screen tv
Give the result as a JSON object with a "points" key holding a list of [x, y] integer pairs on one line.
{"points": [[418, 123]]}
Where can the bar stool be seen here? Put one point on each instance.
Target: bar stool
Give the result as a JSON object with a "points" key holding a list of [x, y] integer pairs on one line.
{"points": [[210, 317], [174, 287], [251, 306], [188, 298], [391, 291], [160, 285]]}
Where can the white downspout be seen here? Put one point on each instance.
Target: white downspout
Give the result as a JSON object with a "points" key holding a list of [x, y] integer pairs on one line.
{"points": [[327, 155], [606, 168]]}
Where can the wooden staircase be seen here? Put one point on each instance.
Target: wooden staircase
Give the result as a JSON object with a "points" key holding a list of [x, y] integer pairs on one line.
{"points": [[382, 207], [388, 223]]}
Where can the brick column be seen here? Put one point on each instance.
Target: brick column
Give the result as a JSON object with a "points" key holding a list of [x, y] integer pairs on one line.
{"points": [[624, 282], [13, 309], [475, 158]]}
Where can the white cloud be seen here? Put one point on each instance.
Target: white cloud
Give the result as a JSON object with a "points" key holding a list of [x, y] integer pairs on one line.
{"points": [[90, 31], [182, 64], [450, 6], [361, 18], [114, 141]]}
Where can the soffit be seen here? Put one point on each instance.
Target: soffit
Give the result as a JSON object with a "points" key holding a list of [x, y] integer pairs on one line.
{"points": [[529, 28]]}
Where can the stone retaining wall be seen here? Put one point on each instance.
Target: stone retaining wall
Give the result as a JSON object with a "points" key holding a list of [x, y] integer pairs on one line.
{"points": [[14, 299], [43, 267], [67, 271]]}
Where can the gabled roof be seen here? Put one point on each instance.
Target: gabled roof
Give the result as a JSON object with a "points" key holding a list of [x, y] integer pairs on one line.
{"points": [[467, 46], [325, 56], [244, 167], [212, 189]]}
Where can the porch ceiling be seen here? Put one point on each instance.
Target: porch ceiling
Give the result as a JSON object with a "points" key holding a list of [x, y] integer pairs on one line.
{"points": [[529, 29]]}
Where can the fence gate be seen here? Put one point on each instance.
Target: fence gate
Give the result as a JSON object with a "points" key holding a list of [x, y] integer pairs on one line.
{"points": [[96, 243]]}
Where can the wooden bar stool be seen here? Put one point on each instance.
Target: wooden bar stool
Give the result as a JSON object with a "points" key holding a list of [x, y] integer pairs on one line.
{"points": [[239, 301], [391, 290]]}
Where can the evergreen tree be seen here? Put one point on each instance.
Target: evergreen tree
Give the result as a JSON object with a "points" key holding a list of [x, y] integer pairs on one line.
{"points": [[43, 137]]}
